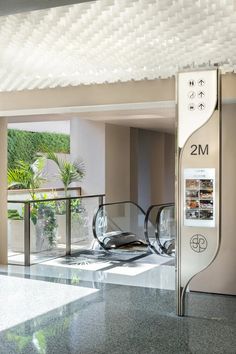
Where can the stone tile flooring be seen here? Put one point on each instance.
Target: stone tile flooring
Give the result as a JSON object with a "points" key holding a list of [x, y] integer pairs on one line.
{"points": [[113, 319]]}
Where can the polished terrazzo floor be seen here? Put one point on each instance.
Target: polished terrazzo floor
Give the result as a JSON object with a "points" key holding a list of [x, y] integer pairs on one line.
{"points": [[88, 316]]}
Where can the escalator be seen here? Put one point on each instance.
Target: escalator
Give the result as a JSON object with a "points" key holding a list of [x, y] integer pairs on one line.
{"points": [[119, 228], [160, 231]]}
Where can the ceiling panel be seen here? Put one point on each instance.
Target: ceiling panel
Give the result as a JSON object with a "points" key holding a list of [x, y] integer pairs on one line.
{"points": [[114, 40], [8, 7]]}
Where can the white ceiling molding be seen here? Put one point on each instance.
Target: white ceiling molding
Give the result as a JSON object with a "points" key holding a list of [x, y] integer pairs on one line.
{"points": [[87, 109], [114, 40], [70, 111]]}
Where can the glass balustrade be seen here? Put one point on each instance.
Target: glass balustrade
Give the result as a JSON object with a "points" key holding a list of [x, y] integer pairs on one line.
{"points": [[160, 228], [43, 229]]}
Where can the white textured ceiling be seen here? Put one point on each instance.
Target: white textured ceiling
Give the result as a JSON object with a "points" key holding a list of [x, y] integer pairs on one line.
{"points": [[8, 7], [114, 40]]}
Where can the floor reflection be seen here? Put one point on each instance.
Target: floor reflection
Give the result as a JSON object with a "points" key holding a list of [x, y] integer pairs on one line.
{"points": [[122, 319], [79, 305]]}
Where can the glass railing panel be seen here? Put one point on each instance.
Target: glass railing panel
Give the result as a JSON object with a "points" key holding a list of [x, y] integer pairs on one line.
{"points": [[166, 229], [82, 212], [151, 220], [160, 227], [47, 230], [167, 223], [16, 233], [60, 211]]}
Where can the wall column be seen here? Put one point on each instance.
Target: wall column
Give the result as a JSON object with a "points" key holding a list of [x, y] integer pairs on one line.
{"points": [[88, 144], [3, 191], [117, 163], [153, 167]]}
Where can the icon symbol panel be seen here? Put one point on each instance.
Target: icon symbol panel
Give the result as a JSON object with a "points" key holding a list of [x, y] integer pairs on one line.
{"points": [[191, 83], [201, 82], [191, 95], [191, 107], [201, 106], [201, 94]]}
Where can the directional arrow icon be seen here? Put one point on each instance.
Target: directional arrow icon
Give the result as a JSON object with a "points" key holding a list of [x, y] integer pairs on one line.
{"points": [[201, 82], [201, 94], [201, 106]]}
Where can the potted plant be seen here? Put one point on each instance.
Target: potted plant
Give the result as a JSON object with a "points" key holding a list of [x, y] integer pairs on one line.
{"points": [[79, 227], [68, 172]]}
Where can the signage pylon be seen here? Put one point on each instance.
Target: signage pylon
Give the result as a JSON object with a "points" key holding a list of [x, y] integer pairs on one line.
{"points": [[198, 175]]}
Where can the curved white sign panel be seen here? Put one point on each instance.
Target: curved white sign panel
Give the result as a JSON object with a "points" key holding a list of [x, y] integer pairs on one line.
{"points": [[197, 98]]}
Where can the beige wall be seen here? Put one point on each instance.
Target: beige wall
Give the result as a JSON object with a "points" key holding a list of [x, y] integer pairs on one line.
{"points": [[220, 277], [105, 150], [152, 167], [169, 163], [117, 163], [33, 101], [85, 95]]}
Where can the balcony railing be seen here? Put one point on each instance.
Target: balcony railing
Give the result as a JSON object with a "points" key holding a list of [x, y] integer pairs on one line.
{"points": [[23, 194], [44, 229]]}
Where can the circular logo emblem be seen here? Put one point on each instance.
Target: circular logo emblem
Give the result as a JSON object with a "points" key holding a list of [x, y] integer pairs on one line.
{"points": [[198, 243]]}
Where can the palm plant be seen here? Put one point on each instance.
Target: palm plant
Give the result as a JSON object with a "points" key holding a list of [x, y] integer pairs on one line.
{"points": [[69, 172], [27, 176], [30, 176]]}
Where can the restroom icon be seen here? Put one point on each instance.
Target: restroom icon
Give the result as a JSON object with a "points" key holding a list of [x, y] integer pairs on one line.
{"points": [[191, 83]]}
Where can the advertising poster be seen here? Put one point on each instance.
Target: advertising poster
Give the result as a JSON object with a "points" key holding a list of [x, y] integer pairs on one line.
{"points": [[199, 197]]}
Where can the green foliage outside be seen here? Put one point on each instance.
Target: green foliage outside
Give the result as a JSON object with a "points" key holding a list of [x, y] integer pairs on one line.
{"points": [[27, 175], [24, 146], [13, 214]]}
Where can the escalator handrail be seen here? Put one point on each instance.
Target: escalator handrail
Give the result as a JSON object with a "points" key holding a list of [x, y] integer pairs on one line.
{"points": [[106, 204], [161, 207], [157, 228], [124, 202]]}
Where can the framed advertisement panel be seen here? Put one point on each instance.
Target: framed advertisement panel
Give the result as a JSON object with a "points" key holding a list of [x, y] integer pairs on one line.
{"points": [[199, 197]]}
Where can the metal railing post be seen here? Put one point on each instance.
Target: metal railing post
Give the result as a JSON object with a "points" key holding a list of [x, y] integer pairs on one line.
{"points": [[27, 234], [100, 200], [68, 227]]}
